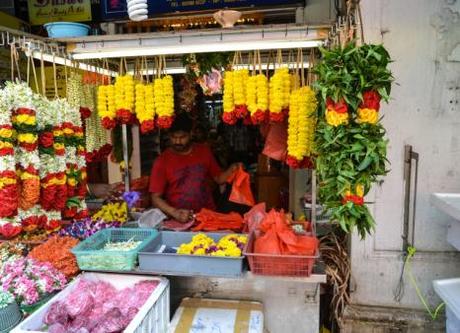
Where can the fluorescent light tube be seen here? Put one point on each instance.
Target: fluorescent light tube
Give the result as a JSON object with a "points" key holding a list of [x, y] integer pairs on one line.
{"points": [[63, 61], [200, 48]]}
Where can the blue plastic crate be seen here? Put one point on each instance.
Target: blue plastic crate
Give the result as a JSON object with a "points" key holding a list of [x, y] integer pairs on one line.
{"points": [[91, 256]]}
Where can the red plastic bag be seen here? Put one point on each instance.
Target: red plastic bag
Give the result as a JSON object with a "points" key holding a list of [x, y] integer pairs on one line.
{"points": [[241, 188], [276, 142], [211, 221], [269, 243], [288, 242], [254, 217]]}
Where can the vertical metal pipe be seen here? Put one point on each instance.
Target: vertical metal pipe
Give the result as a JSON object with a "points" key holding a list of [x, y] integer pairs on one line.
{"points": [[313, 200], [124, 136], [407, 186]]}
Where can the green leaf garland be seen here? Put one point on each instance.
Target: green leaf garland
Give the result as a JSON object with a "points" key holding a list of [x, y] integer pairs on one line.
{"points": [[350, 139]]}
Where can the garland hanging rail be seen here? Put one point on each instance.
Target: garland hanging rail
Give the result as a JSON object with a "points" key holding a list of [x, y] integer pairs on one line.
{"points": [[46, 49]]}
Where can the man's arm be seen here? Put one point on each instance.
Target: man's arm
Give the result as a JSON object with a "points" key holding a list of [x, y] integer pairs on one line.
{"points": [[180, 215]]}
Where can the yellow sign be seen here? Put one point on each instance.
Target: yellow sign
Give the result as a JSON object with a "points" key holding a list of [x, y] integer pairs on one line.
{"points": [[49, 81], [45, 11]]}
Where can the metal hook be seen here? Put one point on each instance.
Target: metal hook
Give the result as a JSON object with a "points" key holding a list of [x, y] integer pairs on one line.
{"points": [[140, 41], [180, 39], [221, 36], [286, 31], [263, 33]]}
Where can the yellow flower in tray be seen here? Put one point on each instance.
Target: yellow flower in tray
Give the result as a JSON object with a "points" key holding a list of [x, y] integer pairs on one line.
{"points": [[228, 246]]}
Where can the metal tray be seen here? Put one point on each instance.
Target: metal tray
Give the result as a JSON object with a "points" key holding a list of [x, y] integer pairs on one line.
{"points": [[187, 265]]}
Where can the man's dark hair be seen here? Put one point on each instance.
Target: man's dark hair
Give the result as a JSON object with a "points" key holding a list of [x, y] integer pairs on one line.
{"points": [[182, 122]]}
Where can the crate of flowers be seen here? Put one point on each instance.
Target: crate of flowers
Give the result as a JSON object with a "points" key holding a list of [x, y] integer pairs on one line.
{"points": [[198, 254], [112, 249], [102, 302]]}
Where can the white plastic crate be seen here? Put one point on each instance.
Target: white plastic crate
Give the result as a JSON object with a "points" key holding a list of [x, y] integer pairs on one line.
{"points": [[153, 316], [449, 291]]}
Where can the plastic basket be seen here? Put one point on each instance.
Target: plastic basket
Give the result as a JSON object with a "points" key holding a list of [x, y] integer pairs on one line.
{"points": [[10, 316], [91, 256], [153, 316], [285, 265]]}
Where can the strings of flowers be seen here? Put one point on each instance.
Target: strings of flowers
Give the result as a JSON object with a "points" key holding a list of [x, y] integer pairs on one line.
{"points": [[280, 89], [301, 127], [124, 98], [163, 92], [145, 106], [106, 107], [257, 98], [228, 115], [9, 226]]}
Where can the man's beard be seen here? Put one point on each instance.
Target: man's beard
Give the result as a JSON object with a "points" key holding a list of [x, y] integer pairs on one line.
{"points": [[181, 148]]}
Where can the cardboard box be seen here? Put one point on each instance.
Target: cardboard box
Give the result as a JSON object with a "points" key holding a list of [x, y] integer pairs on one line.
{"points": [[201, 315]]}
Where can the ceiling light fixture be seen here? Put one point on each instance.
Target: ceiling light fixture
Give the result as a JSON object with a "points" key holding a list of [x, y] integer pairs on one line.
{"points": [[197, 48]]}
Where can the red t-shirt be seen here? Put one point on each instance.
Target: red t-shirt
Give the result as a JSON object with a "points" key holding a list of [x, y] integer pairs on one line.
{"points": [[184, 180]]}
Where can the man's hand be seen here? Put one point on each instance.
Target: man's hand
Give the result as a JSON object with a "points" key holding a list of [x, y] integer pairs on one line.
{"points": [[182, 215], [234, 167]]}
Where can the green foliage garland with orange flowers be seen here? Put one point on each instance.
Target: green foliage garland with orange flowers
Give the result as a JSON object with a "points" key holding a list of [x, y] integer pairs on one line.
{"points": [[350, 139]]}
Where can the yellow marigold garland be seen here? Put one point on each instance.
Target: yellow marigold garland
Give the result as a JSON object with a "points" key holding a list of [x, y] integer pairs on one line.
{"points": [[163, 91], [301, 127], [106, 107], [257, 97], [228, 101], [124, 98], [240, 80], [280, 88]]}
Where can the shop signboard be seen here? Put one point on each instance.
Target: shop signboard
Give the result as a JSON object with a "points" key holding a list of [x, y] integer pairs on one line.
{"points": [[115, 9], [45, 11]]}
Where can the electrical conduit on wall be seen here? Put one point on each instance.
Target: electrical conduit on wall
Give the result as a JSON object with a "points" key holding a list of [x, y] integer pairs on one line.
{"points": [[137, 10]]}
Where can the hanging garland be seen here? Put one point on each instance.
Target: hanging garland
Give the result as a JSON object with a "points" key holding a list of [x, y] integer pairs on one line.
{"points": [[145, 106], [228, 115], [301, 127], [164, 101], [257, 93], [124, 98], [9, 225], [106, 107], [350, 140], [280, 89], [96, 138]]}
